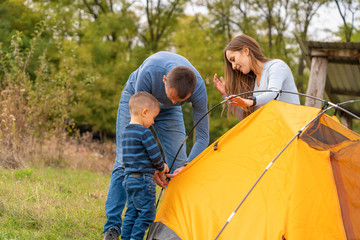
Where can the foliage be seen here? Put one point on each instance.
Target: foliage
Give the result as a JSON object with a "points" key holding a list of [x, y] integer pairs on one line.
{"points": [[162, 17], [31, 108], [16, 16]]}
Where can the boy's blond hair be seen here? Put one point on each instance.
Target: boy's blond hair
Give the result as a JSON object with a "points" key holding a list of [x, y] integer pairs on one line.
{"points": [[141, 100]]}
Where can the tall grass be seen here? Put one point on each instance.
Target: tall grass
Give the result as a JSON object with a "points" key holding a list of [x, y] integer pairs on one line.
{"points": [[34, 106]]}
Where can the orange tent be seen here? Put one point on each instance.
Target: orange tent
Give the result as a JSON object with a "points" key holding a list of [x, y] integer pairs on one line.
{"points": [[312, 191]]}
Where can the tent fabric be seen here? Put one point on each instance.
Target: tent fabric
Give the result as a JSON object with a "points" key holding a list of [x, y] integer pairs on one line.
{"points": [[344, 146], [297, 198], [346, 167]]}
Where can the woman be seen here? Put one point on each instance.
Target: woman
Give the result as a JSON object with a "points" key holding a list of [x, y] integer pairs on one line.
{"points": [[247, 69]]}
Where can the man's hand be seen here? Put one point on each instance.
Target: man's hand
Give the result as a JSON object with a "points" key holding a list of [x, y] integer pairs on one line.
{"points": [[166, 168], [176, 172]]}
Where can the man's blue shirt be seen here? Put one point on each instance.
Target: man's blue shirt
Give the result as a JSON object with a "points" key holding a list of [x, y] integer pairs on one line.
{"points": [[149, 77]]}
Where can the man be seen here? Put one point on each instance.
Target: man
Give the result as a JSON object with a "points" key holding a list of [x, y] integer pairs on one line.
{"points": [[172, 80]]}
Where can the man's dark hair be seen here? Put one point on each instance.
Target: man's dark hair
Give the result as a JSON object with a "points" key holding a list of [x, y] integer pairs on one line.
{"points": [[183, 79]]}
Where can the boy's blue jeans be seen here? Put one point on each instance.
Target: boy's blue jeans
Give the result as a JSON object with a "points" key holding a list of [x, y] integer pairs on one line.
{"points": [[141, 209], [170, 130]]}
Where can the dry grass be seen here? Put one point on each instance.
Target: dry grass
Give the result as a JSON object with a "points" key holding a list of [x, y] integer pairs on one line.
{"points": [[80, 152], [85, 153]]}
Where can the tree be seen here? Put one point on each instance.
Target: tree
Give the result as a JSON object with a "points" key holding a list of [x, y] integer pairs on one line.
{"points": [[275, 14], [230, 17], [345, 7], [221, 17], [161, 19], [303, 12], [16, 16]]}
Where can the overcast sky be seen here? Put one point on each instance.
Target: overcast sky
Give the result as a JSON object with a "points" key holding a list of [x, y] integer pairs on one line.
{"points": [[323, 25], [327, 21]]}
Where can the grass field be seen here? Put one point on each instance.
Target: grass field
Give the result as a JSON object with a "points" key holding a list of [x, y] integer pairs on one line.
{"points": [[52, 203]]}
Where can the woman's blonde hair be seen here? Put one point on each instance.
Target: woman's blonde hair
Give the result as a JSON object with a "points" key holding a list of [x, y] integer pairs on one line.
{"points": [[236, 81]]}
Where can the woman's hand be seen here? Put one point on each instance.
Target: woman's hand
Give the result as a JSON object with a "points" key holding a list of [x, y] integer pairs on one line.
{"points": [[220, 85], [239, 101]]}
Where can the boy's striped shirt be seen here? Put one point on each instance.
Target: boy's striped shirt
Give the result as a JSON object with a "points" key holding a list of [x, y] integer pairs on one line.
{"points": [[140, 151]]}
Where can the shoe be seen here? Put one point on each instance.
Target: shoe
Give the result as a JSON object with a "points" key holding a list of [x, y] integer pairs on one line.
{"points": [[111, 234]]}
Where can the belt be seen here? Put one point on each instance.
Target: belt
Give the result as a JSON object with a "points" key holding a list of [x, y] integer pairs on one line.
{"points": [[138, 175], [135, 175]]}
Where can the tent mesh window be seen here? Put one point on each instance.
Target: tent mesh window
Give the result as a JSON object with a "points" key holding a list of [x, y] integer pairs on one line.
{"points": [[326, 134], [159, 231]]}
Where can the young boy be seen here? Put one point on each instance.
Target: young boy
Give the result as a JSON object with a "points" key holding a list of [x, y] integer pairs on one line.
{"points": [[142, 158]]}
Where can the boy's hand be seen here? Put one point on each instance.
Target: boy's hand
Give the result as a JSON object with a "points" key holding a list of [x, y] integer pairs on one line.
{"points": [[159, 177]]}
